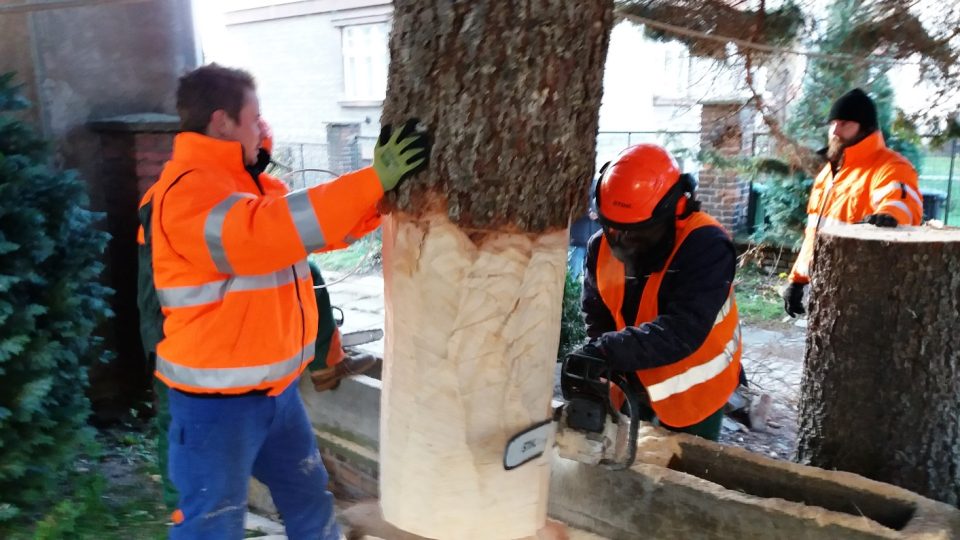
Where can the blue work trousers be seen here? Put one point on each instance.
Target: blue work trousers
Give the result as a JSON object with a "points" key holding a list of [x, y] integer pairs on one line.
{"points": [[217, 443]]}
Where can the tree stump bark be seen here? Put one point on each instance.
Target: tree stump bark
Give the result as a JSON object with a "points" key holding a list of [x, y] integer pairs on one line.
{"points": [[881, 384], [475, 252]]}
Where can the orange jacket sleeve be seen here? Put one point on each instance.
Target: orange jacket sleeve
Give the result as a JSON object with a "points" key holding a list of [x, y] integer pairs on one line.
{"points": [[800, 273], [221, 230], [368, 222], [894, 190]]}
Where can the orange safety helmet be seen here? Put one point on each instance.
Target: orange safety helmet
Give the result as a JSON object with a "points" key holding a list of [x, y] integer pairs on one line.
{"points": [[643, 186]]}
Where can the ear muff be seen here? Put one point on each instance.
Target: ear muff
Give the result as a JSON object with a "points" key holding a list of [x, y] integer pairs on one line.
{"points": [[603, 169], [595, 189], [688, 203]]}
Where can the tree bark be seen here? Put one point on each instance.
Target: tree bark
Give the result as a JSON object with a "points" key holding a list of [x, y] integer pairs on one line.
{"points": [[475, 252], [881, 384]]}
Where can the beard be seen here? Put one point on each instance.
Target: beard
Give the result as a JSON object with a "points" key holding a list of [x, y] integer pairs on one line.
{"points": [[835, 147]]}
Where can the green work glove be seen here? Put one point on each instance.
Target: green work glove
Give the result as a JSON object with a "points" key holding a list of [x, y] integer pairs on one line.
{"points": [[400, 153]]}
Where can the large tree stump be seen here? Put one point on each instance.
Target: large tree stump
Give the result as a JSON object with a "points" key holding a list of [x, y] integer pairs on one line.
{"points": [[475, 252], [881, 384]]}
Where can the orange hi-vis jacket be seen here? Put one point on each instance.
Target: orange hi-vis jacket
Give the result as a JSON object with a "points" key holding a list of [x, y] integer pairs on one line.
{"points": [[688, 391], [872, 180], [230, 269]]}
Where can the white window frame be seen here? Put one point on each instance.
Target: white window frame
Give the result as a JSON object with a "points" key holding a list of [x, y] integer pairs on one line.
{"points": [[676, 69], [365, 54]]}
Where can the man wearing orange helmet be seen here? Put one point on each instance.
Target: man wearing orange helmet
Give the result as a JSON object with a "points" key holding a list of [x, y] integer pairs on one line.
{"points": [[658, 293]]}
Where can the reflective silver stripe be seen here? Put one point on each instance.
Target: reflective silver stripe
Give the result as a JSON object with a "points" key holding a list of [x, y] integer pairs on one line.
{"points": [[697, 374], [724, 309], [196, 295], [898, 204], [216, 291], [882, 193], [303, 268], [305, 219], [213, 230], [226, 378]]}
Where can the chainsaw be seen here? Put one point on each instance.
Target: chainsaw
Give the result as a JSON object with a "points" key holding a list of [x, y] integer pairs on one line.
{"points": [[588, 427], [360, 337]]}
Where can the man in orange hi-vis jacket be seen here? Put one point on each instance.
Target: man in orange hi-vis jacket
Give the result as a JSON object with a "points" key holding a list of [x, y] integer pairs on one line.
{"points": [[862, 182], [227, 247]]}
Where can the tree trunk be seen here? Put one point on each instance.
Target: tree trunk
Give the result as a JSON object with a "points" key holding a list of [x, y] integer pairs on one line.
{"points": [[475, 252], [881, 384]]}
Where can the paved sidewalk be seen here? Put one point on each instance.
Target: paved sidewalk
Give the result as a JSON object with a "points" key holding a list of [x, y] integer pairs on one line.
{"points": [[361, 299], [773, 359]]}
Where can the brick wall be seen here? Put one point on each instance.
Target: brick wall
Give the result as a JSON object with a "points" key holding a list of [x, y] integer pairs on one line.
{"points": [[133, 149], [350, 478], [726, 129]]}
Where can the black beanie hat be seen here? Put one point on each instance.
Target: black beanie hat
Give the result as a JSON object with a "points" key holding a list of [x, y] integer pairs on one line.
{"points": [[855, 106]]}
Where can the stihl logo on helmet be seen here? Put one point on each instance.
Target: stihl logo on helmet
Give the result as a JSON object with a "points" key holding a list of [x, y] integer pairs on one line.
{"points": [[644, 183]]}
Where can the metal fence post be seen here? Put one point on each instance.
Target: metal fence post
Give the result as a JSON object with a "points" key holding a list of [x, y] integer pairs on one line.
{"points": [[355, 154], [953, 158], [303, 165]]}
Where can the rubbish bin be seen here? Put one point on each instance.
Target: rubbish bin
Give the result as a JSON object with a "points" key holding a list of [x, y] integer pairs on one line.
{"points": [[756, 209], [934, 204]]}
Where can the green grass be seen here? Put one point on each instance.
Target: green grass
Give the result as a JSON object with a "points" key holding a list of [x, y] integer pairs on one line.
{"points": [[758, 294], [936, 165], [365, 253], [110, 498]]}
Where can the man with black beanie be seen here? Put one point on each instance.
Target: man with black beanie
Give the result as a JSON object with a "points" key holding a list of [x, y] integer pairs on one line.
{"points": [[862, 182]]}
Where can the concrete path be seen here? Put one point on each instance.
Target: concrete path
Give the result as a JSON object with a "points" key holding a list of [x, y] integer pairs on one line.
{"points": [[361, 299], [773, 358]]}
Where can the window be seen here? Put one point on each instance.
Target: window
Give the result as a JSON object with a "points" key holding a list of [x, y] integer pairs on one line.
{"points": [[366, 56], [676, 70]]}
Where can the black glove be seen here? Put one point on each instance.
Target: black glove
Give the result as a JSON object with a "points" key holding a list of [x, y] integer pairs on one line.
{"points": [[592, 350], [880, 220], [793, 299]]}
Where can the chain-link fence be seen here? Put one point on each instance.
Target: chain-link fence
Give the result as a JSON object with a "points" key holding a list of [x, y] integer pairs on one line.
{"points": [[303, 165], [939, 169], [684, 145]]}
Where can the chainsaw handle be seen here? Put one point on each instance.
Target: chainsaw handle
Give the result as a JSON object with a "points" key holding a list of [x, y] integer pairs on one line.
{"points": [[629, 383], [584, 375], [577, 366]]}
